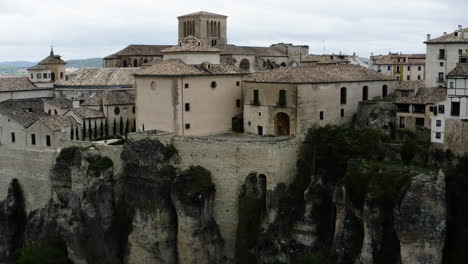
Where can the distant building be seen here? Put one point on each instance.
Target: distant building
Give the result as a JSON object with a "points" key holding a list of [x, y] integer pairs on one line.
{"points": [[443, 54], [289, 101], [402, 67], [331, 59], [22, 88], [47, 71]]}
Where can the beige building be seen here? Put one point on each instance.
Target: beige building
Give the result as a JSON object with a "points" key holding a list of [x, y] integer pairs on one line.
{"points": [[211, 30], [402, 67], [289, 101], [22, 88], [47, 71], [188, 99]]}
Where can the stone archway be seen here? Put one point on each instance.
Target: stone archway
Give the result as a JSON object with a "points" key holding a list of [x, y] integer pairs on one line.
{"points": [[282, 124]]}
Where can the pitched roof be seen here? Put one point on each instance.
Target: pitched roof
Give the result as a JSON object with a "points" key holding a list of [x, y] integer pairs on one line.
{"points": [[254, 51], [56, 122], [140, 50], [202, 13], [327, 59], [191, 44], [319, 74], [100, 77], [177, 67], [458, 36], [60, 103], [84, 112], [24, 111], [49, 60], [424, 96], [16, 84], [461, 70], [411, 85], [111, 97], [398, 59]]}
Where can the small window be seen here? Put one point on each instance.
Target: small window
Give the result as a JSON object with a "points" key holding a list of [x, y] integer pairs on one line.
{"points": [[402, 122], [13, 137], [343, 95], [441, 109], [342, 112], [33, 139], [49, 112], [404, 93], [438, 135], [39, 76], [441, 64], [409, 68], [55, 112], [260, 130], [419, 122], [238, 103], [408, 78], [187, 107], [249, 123], [441, 77], [419, 68], [32, 76], [389, 68], [214, 84], [460, 52], [133, 109], [256, 100], [441, 54], [384, 91], [365, 93], [452, 85], [153, 86], [455, 109], [186, 85], [321, 115], [44, 76], [187, 126], [116, 110], [237, 83], [61, 75], [48, 140], [419, 77], [282, 98], [438, 123], [259, 113]]}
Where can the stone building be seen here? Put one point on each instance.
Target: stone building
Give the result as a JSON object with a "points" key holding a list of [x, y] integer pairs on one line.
{"points": [[331, 59], [184, 96], [57, 106], [291, 100], [48, 71], [402, 67], [211, 30], [443, 54], [22, 88]]}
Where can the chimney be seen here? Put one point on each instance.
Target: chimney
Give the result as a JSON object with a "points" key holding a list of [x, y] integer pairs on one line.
{"points": [[428, 37], [460, 27], [76, 103]]}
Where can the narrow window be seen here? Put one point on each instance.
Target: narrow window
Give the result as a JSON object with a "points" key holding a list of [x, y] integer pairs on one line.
{"points": [[260, 130], [419, 68], [402, 122], [39, 76], [33, 139], [256, 100], [44, 76], [452, 85], [61, 75], [408, 78], [441, 76], [32, 76], [214, 84], [238, 103], [55, 112], [460, 52], [384, 91], [365, 93], [187, 107], [321, 115], [389, 68], [187, 126], [48, 140], [282, 98], [237, 83], [409, 68], [419, 77], [186, 85], [13, 138], [441, 54], [455, 109], [343, 95], [342, 112]]}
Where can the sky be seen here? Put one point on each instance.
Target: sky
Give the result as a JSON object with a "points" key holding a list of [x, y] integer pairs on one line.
{"points": [[97, 28]]}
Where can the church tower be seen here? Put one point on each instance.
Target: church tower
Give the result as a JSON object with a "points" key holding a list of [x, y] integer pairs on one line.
{"points": [[210, 28]]}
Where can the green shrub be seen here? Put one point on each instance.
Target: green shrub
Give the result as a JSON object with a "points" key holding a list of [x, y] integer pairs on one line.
{"points": [[248, 228], [194, 182], [170, 151], [52, 250], [100, 164], [408, 150], [122, 224]]}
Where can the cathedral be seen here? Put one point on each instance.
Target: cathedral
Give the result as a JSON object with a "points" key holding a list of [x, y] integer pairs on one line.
{"points": [[211, 30]]}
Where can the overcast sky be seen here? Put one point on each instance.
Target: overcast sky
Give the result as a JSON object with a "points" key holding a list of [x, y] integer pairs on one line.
{"points": [[96, 28]]}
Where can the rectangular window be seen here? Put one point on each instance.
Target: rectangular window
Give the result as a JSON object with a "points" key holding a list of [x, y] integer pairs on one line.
{"points": [[398, 69], [419, 121], [238, 103], [419, 68], [389, 68], [460, 52], [441, 77], [187, 107], [409, 68], [237, 83], [282, 98], [48, 140], [441, 109], [187, 126], [441, 54], [342, 112], [32, 76], [256, 100], [441, 64], [13, 138], [452, 85], [44, 75], [343, 95], [33, 139], [419, 77], [186, 85], [402, 122], [438, 123], [321, 115], [260, 130], [407, 78], [39, 76], [455, 109], [438, 135], [404, 93]]}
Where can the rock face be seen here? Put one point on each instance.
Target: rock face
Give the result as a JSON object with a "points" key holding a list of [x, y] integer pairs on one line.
{"points": [[198, 237], [376, 115], [12, 221], [421, 220]]}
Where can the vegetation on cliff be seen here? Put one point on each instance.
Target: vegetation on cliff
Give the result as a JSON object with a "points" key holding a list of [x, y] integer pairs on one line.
{"points": [[52, 250]]}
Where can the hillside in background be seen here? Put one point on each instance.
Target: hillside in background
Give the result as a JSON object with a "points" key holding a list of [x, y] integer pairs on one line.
{"points": [[18, 68]]}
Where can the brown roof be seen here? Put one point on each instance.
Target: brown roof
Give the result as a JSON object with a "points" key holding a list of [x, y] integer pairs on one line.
{"points": [[191, 44], [202, 13], [56, 122], [327, 59], [177, 67], [84, 112], [411, 85], [140, 50], [16, 84], [424, 96], [319, 74], [49, 60], [458, 36], [398, 59], [25, 111], [95, 77], [254, 51], [112, 97], [61, 103], [461, 70]]}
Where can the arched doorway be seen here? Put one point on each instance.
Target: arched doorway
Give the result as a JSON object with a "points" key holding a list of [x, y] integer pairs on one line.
{"points": [[244, 64], [282, 124]]}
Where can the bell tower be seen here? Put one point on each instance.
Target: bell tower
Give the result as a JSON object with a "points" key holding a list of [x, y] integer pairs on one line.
{"points": [[210, 28]]}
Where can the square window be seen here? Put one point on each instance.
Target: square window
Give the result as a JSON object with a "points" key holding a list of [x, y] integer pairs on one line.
{"points": [[187, 126], [438, 135], [438, 123], [186, 85]]}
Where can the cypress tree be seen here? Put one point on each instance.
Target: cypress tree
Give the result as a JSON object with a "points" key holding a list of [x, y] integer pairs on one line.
{"points": [[95, 128], [101, 130], [72, 132], [114, 128], [106, 125], [121, 130], [134, 125], [77, 135], [84, 129], [90, 130]]}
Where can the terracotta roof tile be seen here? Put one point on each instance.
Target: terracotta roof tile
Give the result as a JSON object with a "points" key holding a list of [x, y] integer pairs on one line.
{"points": [[461, 70], [254, 51], [177, 67], [458, 36], [424, 96], [191, 44], [60, 103], [203, 13], [100, 77], [25, 112], [84, 112], [140, 50], [16, 84], [57, 123], [411, 85]]}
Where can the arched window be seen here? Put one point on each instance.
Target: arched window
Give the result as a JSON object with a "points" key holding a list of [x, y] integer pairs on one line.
{"points": [[244, 64], [52, 76], [55, 112], [153, 86], [384, 91], [116, 110], [365, 93], [49, 112], [282, 98], [213, 84], [135, 63], [212, 29], [343, 95], [283, 64]]}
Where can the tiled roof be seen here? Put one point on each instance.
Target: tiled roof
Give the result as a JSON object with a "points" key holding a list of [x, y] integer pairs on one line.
{"points": [[319, 74], [140, 50], [100, 77], [24, 112], [458, 36], [254, 51], [56, 122], [461, 70], [16, 84], [398, 59], [39, 67], [112, 97], [60, 103], [177, 67], [424, 96], [411, 85], [49, 60], [327, 59], [203, 13], [84, 112], [191, 44]]}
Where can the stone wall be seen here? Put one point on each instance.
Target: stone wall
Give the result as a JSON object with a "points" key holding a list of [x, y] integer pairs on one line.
{"points": [[376, 115]]}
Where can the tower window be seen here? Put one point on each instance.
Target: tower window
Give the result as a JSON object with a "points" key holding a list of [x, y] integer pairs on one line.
{"points": [[187, 126], [238, 103], [256, 100], [187, 107], [186, 85], [342, 112], [260, 130], [33, 139], [213, 84]]}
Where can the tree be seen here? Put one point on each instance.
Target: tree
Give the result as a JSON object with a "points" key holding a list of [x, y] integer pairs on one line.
{"points": [[114, 128], [72, 132], [106, 133], [95, 129], [84, 129], [102, 130], [90, 132], [121, 127]]}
